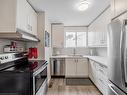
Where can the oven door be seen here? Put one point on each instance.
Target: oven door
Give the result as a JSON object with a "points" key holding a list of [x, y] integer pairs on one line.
{"points": [[15, 82], [40, 81]]}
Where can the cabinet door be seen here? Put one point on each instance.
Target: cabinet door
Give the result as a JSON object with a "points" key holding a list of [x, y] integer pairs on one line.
{"points": [[91, 70], [97, 38], [22, 15], [33, 22], [104, 39], [29, 18], [70, 68], [120, 6], [57, 35], [90, 38], [95, 75], [7, 16], [26, 17], [82, 68], [100, 39], [102, 80]]}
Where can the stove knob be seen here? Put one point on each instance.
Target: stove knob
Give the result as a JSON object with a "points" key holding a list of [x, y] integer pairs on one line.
{"points": [[6, 57], [2, 58]]}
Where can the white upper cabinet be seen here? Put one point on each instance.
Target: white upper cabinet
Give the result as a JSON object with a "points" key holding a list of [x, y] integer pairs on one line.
{"points": [[26, 17], [97, 39], [57, 35], [7, 16], [32, 21], [17, 15], [22, 15], [97, 31], [119, 6]]}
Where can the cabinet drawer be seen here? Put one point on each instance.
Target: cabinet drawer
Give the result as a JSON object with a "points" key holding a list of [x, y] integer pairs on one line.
{"points": [[102, 85], [102, 70]]}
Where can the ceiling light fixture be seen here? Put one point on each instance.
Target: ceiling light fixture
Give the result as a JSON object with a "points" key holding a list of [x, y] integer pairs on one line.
{"points": [[83, 5]]}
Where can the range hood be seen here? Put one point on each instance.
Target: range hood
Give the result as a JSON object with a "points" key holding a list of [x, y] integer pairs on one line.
{"points": [[20, 36]]}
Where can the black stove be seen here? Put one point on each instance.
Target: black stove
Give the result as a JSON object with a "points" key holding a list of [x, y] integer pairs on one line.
{"points": [[20, 76]]}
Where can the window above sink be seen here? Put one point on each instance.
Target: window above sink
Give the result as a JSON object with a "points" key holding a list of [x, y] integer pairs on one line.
{"points": [[75, 39]]}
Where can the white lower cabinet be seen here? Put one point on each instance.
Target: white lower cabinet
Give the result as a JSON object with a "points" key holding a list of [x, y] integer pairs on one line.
{"points": [[98, 74], [76, 67], [70, 68], [82, 68], [92, 71]]}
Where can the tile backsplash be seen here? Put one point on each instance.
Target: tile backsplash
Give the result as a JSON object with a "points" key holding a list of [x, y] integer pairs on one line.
{"points": [[102, 51], [80, 51], [70, 51], [4, 42]]}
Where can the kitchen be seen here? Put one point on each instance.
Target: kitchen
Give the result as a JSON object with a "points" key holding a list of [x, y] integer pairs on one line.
{"points": [[73, 47]]}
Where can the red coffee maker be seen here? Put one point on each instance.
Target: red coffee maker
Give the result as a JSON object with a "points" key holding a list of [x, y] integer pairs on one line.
{"points": [[33, 53]]}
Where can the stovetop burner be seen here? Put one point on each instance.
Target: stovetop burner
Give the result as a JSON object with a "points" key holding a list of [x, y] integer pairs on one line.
{"points": [[33, 65], [36, 64]]}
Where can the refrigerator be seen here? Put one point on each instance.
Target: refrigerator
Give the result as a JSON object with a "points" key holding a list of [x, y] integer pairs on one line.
{"points": [[117, 57]]}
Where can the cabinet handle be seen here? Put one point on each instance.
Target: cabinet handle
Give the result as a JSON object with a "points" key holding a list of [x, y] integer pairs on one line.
{"points": [[75, 60], [101, 71], [101, 80], [31, 28], [28, 27]]}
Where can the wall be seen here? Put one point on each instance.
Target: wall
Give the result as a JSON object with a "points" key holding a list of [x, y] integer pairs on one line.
{"points": [[4, 42]]}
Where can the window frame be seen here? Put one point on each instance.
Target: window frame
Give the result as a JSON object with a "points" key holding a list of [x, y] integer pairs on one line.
{"points": [[75, 40]]}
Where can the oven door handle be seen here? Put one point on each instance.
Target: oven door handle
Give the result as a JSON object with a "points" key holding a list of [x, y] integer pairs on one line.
{"points": [[39, 70]]}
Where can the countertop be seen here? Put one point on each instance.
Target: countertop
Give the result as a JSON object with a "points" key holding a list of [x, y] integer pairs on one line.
{"points": [[99, 59]]}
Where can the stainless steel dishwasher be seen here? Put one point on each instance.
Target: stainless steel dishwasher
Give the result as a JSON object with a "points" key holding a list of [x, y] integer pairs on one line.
{"points": [[57, 67]]}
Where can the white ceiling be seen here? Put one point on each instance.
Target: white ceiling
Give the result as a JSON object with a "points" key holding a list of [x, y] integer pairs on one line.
{"points": [[64, 11]]}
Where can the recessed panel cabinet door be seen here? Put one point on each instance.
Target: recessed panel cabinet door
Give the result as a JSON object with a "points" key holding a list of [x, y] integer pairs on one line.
{"points": [[90, 71], [17, 15], [82, 68], [90, 38], [57, 35], [26, 17], [22, 15], [7, 16], [70, 68], [34, 23]]}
